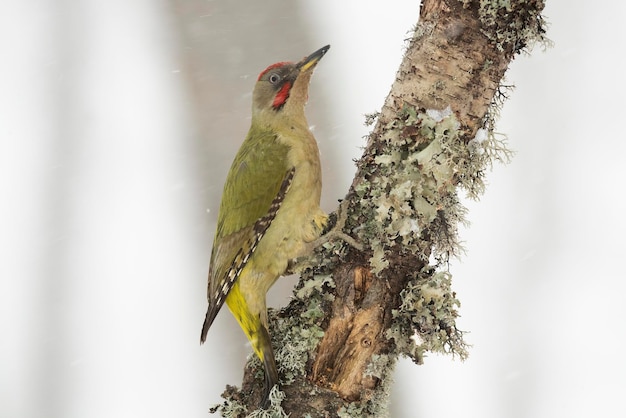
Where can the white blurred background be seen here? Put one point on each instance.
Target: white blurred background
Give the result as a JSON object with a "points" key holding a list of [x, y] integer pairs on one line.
{"points": [[118, 122]]}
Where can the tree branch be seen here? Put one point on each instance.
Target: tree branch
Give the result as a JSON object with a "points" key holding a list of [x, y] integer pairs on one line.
{"points": [[356, 311]]}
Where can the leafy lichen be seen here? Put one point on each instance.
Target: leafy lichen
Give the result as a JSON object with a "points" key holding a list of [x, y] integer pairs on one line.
{"points": [[231, 407], [294, 336], [511, 25], [425, 320], [274, 410], [411, 196], [416, 178]]}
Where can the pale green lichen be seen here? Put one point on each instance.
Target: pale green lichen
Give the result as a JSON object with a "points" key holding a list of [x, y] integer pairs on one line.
{"points": [[315, 287], [420, 30], [370, 118], [425, 320], [379, 366], [294, 337], [416, 182], [230, 408], [294, 343], [412, 189], [378, 262], [513, 26], [274, 410]]}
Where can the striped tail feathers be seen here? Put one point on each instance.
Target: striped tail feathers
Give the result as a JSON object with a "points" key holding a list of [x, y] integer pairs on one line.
{"points": [[211, 313], [269, 364], [216, 301]]}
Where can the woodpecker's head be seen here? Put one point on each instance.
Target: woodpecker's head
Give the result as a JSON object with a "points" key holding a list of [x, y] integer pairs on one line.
{"points": [[282, 88]]}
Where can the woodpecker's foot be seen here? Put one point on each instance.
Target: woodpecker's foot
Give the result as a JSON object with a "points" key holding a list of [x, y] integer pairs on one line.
{"points": [[336, 231], [269, 366]]}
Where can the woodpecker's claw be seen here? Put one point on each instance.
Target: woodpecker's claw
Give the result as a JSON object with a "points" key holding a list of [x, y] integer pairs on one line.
{"points": [[336, 232]]}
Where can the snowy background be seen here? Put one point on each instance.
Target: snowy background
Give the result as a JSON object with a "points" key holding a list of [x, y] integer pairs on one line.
{"points": [[118, 121]]}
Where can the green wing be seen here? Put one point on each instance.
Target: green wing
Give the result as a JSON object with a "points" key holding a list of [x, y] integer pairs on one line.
{"points": [[253, 181], [256, 183]]}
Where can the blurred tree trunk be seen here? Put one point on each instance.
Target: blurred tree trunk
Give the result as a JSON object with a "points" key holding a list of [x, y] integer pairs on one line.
{"points": [[358, 309]]}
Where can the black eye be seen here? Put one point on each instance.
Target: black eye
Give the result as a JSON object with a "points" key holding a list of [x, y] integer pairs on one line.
{"points": [[274, 78]]}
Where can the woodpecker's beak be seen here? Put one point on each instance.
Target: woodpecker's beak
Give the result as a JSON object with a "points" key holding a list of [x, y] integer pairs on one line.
{"points": [[309, 62]]}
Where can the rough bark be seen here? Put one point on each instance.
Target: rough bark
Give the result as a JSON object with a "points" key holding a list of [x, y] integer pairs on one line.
{"points": [[358, 309]]}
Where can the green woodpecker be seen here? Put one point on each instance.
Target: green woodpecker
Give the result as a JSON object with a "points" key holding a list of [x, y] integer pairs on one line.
{"points": [[270, 205]]}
